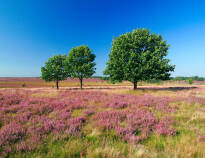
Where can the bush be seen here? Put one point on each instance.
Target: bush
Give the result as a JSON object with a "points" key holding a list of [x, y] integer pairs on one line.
{"points": [[190, 81], [23, 85]]}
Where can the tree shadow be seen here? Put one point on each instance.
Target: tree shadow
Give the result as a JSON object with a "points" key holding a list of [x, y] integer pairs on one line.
{"points": [[130, 87], [96, 88], [167, 88]]}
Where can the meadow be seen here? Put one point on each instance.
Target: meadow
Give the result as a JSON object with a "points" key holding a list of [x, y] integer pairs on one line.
{"points": [[156, 120], [37, 82]]}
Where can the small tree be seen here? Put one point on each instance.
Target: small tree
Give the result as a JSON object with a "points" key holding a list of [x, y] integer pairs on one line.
{"points": [[190, 81], [23, 84], [81, 63], [54, 69], [139, 55]]}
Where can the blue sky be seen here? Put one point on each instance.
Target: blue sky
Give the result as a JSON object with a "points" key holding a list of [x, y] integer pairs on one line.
{"points": [[31, 31]]}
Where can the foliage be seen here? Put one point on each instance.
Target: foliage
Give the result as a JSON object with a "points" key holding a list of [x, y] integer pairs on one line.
{"points": [[54, 69], [194, 78], [81, 63], [139, 55], [190, 80], [23, 85]]}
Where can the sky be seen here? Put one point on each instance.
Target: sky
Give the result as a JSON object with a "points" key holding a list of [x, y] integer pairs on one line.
{"points": [[31, 31]]}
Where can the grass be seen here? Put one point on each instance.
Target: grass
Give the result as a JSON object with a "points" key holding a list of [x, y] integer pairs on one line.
{"points": [[95, 143], [41, 83], [38, 83]]}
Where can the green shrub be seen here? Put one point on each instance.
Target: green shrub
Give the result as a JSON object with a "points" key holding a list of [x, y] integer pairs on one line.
{"points": [[23, 85], [190, 81]]}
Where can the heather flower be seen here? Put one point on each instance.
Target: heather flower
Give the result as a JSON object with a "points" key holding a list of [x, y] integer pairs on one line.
{"points": [[11, 133], [64, 115], [22, 118], [75, 125], [139, 124], [21, 146], [141, 119], [27, 120], [89, 112], [109, 119], [163, 127]]}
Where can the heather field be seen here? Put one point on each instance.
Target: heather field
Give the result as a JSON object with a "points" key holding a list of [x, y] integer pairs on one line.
{"points": [[102, 79], [149, 122], [37, 82]]}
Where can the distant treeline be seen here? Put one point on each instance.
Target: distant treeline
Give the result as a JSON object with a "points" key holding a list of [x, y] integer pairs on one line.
{"points": [[182, 78], [101, 77], [178, 78]]}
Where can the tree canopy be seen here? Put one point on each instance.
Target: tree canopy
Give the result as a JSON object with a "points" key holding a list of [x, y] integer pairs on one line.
{"points": [[139, 55], [54, 69], [81, 63]]}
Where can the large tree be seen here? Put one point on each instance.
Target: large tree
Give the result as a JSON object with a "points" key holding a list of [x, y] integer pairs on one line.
{"points": [[138, 56], [81, 63], [54, 69]]}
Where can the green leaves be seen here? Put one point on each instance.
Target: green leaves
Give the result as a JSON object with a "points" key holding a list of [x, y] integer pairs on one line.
{"points": [[81, 62], [54, 69], [139, 55]]}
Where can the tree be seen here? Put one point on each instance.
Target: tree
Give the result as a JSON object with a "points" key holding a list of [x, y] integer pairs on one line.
{"points": [[81, 63], [139, 55], [54, 69], [190, 81]]}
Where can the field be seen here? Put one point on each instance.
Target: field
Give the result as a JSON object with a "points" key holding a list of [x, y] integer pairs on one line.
{"points": [[103, 120], [36, 82]]}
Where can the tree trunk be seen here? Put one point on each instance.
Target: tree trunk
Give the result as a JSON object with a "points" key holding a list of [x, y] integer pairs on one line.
{"points": [[57, 84], [81, 83], [135, 85]]}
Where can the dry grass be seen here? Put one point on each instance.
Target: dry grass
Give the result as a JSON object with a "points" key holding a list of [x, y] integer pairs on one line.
{"points": [[189, 119]]}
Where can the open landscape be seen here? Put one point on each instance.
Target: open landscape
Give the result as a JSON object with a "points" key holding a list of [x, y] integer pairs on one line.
{"points": [[102, 79], [152, 121]]}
